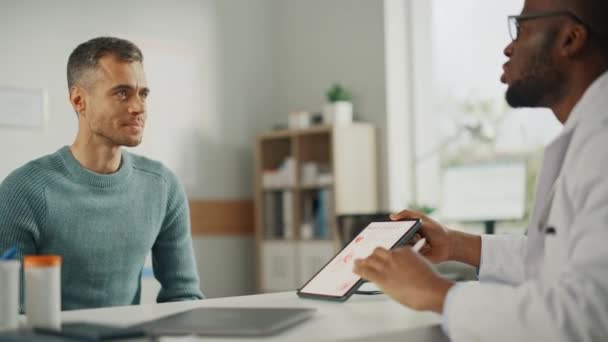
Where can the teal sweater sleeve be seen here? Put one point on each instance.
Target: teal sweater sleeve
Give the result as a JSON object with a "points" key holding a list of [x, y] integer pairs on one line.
{"points": [[172, 253], [22, 212]]}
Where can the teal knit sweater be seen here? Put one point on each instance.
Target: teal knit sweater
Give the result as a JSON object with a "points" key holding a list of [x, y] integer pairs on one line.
{"points": [[103, 226]]}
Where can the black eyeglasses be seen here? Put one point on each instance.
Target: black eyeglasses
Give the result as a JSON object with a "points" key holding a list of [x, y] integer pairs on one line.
{"points": [[514, 20]]}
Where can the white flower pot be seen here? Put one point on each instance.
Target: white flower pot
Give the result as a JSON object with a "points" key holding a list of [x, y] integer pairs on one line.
{"points": [[338, 113]]}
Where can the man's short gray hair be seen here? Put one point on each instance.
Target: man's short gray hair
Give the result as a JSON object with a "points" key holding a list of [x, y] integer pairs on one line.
{"points": [[87, 55]]}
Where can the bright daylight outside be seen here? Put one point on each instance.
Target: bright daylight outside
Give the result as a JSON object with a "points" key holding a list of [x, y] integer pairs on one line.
{"points": [[489, 152]]}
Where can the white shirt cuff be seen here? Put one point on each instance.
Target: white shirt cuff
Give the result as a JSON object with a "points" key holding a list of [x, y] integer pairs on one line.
{"points": [[444, 317]]}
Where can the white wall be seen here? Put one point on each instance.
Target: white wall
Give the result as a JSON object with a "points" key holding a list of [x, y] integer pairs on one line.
{"points": [[319, 42], [427, 165], [220, 71], [202, 59], [401, 101], [209, 66]]}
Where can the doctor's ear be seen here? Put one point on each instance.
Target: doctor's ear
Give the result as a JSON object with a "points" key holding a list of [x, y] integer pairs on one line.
{"points": [[78, 99], [572, 40]]}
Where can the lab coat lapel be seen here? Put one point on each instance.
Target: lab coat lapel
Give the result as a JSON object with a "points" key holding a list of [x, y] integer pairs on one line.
{"points": [[593, 101], [550, 169]]}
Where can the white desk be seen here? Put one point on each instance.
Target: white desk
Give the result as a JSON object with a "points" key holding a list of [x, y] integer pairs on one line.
{"points": [[361, 318]]}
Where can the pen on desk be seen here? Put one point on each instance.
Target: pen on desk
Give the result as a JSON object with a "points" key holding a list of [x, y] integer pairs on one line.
{"points": [[418, 245], [9, 254]]}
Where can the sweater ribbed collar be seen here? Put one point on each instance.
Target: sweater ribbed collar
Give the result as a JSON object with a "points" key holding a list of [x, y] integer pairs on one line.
{"points": [[84, 176]]}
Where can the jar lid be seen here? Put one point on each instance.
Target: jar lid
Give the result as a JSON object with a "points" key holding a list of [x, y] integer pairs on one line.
{"points": [[41, 260]]}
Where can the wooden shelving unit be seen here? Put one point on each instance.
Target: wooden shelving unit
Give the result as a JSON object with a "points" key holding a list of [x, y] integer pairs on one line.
{"points": [[287, 253]]}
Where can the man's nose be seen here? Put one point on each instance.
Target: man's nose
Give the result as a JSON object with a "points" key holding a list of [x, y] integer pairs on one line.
{"points": [[137, 105], [509, 50]]}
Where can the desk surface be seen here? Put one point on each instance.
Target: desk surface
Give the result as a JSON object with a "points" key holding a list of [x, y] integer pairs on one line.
{"points": [[360, 318]]}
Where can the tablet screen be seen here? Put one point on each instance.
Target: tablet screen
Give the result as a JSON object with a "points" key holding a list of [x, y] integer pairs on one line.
{"points": [[337, 277]]}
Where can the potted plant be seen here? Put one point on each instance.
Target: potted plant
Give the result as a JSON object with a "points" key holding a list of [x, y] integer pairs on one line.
{"points": [[339, 108]]}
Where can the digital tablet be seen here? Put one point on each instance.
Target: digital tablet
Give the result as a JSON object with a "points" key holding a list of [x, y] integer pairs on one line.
{"points": [[336, 280]]}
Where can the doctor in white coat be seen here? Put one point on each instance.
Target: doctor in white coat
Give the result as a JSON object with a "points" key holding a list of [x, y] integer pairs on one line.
{"points": [[552, 284]]}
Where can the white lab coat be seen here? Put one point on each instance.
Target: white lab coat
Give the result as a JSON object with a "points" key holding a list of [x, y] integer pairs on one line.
{"points": [[553, 284]]}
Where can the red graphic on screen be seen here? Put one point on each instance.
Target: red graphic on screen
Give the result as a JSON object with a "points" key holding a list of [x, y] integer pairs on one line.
{"points": [[358, 239], [347, 258]]}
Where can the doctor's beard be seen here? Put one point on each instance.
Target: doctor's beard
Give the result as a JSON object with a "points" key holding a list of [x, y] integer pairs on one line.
{"points": [[542, 84]]}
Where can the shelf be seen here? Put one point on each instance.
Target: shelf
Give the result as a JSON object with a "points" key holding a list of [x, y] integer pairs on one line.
{"points": [[315, 186], [289, 251], [274, 135], [314, 130], [278, 240], [315, 240], [288, 133], [296, 188], [280, 188]]}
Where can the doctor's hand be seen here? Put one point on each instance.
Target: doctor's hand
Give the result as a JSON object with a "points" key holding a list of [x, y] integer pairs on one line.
{"points": [[438, 246], [406, 277], [442, 243]]}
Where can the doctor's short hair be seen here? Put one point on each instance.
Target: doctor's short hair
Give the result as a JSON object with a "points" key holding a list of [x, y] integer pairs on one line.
{"points": [[594, 14], [86, 56]]}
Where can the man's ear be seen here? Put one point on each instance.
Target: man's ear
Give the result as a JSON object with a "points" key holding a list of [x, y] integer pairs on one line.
{"points": [[78, 99], [572, 40]]}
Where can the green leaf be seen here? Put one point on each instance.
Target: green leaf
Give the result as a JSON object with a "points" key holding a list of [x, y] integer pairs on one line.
{"points": [[338, 93]]}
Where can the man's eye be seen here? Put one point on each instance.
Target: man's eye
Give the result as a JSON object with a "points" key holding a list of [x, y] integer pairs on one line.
{"points": [[144, 94], [122, 94]]}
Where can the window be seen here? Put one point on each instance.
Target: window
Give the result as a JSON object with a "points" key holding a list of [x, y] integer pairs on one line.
{"points": [[471, 123]]}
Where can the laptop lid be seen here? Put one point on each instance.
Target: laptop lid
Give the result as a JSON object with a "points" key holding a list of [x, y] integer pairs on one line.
{"points": [[239, 321]]}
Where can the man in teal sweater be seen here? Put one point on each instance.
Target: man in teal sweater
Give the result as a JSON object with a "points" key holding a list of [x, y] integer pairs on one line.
{"points": [[102, 209]]}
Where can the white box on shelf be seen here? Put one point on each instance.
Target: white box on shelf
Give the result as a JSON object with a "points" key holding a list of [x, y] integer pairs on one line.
{"points": [[309, 171], [299, 119], [306, 231], [325, 179], [289, 171], [284, 176]]}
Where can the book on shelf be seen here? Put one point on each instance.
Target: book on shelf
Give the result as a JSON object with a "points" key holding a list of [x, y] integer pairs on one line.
{"points": [[278, 214], [323, 214], [318, 213], [287, 197]]}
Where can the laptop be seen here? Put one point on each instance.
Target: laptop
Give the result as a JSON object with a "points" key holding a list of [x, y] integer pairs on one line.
{"points": [[239, 321]]}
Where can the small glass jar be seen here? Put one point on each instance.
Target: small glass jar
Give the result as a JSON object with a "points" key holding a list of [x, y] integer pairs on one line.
{"points": [[43, 290]]}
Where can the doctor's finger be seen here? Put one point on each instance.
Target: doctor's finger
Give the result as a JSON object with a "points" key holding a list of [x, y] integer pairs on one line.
{"points": [[381, 254], [374, 262], [414, 239], [406, 214], [368, 273], [405, 254], [425, 249]]}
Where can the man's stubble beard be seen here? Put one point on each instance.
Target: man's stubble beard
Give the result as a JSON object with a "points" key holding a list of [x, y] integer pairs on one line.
{"points": [[542, 85]]}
